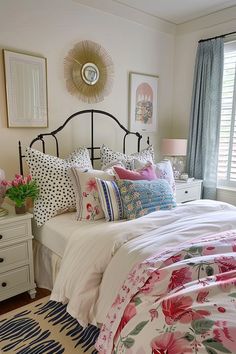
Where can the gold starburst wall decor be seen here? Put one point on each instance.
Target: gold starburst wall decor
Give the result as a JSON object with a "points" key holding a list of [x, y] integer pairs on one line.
{"points": [[89, 72]]}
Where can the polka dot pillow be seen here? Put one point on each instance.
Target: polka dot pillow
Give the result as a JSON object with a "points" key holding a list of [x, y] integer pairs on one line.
{"points": [[108, 157], [51, 174]]}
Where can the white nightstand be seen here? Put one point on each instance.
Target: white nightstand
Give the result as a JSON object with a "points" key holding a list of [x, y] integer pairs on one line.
{"points": [[188, 191], [16, 257]]}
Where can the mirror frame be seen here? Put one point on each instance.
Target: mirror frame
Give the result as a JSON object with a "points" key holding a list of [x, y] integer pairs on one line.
{"points": [[21, 112], [83, 73]]}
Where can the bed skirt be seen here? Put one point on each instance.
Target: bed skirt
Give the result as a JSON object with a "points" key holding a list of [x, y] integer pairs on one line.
{"points": [[46, 265]]}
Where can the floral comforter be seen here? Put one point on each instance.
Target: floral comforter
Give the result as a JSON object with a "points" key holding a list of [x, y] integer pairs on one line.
{"points": [[182, 300]]}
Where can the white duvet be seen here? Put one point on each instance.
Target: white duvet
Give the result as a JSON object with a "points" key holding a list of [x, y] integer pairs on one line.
{"points": [[96, 263]]}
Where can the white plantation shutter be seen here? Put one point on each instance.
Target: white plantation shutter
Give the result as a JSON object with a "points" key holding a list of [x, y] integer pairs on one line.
{"points": [[227, 147]]}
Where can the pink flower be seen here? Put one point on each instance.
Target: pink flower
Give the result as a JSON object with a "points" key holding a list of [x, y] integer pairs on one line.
{"points": [[15, 183], [17, 176], [91, 185], [153, 313], [202, 295], [226, 276], [97, 211], [173, 259], [171, 343], [29, 178], [226, 280], [154, 278], [179, 278], [4, 183], [226, 264], [130, 311], [117, 301], [178, 308], [89, 207], [208, 250], [226, 336], [85, 194]]}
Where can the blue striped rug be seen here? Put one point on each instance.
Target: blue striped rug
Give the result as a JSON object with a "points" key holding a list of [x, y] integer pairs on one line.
{"points": [[44, 327]]}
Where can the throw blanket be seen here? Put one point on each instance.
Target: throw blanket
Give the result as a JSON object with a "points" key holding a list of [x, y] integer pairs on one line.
{"points": [[101, 257], [182, 300]]}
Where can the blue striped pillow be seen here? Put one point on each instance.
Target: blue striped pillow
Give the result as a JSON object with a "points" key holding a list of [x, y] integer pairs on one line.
{"points": [[143, 197], [110, 200]]}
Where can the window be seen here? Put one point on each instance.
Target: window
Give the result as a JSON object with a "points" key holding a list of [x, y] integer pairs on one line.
{"points": [[227, 147]]}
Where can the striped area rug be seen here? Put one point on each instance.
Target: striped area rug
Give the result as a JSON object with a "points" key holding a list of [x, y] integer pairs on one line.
{"points": [[44, 327]]}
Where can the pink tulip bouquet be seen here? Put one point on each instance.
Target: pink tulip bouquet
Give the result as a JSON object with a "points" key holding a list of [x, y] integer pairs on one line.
{"points": [[21, 188]]}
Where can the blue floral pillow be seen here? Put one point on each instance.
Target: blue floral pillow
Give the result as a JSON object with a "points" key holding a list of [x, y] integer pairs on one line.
{"points": [[143, 197]]}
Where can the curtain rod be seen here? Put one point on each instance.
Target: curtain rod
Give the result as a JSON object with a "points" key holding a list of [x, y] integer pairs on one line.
{"points": [[222, 35]]}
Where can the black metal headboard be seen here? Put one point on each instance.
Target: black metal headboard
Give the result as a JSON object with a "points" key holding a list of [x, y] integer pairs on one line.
{"points": [[92, 148]]}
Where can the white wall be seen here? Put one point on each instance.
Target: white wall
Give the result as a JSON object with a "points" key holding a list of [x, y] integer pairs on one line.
{"points": [[51, 29], [186, 45]]}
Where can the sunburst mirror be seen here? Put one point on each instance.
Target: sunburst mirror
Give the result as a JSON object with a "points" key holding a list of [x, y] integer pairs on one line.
{"points": [[89, 72]]}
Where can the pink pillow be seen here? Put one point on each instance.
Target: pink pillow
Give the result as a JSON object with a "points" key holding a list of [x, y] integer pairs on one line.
{"points": [[146, 173]]}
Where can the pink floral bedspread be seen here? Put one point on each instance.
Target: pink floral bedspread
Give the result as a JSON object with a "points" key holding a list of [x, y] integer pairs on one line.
{"points": [[182, 300]]}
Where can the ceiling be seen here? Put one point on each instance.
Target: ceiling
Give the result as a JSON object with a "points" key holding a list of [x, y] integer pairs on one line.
{"points": [[178, 11]]}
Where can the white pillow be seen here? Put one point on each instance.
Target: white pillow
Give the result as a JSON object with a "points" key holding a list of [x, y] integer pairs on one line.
{"points": [[109, 157], [163, 170], [51, 175], [87, 201]]}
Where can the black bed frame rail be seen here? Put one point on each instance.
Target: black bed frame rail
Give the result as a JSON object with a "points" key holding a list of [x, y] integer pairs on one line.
{"points": [[92, 148]]}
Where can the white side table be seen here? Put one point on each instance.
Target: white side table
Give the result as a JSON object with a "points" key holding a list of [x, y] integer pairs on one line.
{"points": [[16, 256], [188, 191]]}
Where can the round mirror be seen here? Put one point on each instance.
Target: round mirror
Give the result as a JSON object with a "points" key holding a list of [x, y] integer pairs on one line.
{"points": [[90, 73]]}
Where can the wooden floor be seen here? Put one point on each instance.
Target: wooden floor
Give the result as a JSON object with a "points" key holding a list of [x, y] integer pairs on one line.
{"points": [[21, 300]]}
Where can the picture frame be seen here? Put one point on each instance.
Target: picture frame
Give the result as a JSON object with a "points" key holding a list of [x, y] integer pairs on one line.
{"points": [[143, 102], [26, 90]]}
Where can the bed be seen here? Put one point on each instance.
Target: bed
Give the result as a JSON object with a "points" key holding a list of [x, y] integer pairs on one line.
{"points": [[128, 276]]}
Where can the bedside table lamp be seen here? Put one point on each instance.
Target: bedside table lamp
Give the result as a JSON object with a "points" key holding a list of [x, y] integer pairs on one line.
{"points": [[175, 150]]}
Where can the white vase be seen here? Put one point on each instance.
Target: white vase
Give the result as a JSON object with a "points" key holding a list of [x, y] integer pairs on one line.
{"points": [[2, 188]]}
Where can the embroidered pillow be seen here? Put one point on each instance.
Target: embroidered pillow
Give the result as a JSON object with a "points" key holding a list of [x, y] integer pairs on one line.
{"points": [[51, 174], [87, 202], [146, 173], [108, 156], [163, 170], [110, 199], [143, 197]]}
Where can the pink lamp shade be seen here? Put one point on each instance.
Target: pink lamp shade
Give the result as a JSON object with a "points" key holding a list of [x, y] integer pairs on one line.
{"points": [[2, 188], [174, 147]]}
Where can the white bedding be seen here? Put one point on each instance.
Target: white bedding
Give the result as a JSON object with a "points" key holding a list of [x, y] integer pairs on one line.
{"points": [[56, 232], [111, 249]]}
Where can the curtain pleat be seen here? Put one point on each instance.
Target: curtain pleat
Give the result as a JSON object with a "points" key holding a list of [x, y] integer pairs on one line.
{"points": [[204, 131]]}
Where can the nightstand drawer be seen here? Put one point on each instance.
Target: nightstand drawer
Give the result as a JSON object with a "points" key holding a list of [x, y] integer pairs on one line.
{"points": [[14, 278], [13, 254], [187, 194], [13, 231]]}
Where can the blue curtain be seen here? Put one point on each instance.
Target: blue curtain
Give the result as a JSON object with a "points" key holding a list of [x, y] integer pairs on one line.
{"points": [[204, 131]]}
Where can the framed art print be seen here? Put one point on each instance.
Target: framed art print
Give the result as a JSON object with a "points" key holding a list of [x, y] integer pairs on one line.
{"points": [[26, 90], [143, 102]]}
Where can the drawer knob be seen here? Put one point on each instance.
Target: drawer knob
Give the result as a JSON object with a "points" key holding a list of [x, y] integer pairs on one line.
{"points": [[186, 192], [4, 284], [1, 260], [1, 236]]}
